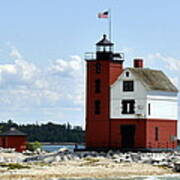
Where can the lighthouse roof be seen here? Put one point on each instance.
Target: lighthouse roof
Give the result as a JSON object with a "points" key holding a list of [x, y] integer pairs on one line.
{"points": [[104, 42], [154, 79], [13, 132]]}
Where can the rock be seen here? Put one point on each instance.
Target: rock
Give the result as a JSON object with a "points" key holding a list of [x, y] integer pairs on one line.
{"points": [[2, 159], [177, 166], [163, 163], [94, 154], [76, 158], [102, 154], [117, 160], [109, 156], [38, 151], [170, 165], [115, 156], [63, 150], [64, 158], [110, 153], [135, 157], [57, 158], [49, 159], [27, 152]]}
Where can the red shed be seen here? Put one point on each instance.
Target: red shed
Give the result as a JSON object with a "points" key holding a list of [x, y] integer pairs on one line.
{"points": [[13, 138]]}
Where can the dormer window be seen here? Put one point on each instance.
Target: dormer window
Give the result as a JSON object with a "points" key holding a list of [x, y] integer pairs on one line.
{"points": [[128, 85]]}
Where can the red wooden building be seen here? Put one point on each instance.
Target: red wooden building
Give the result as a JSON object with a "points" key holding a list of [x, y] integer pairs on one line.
{"points": [[128, 108], [13, 138]]}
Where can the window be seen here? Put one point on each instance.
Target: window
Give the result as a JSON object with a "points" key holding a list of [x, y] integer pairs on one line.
{"points": [[127, 74], [97, 109], [156, 133], [128, 85], [97, 86], [149, 109], [98, 68], [128, 106]]}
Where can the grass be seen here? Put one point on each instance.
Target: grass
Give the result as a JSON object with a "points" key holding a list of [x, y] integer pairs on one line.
{"points": [[11, 166], [42, 164], [90, 161]]}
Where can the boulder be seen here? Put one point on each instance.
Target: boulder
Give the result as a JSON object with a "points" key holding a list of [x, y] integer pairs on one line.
{"points": [[63, 150], [177, 166], [57, 158]]}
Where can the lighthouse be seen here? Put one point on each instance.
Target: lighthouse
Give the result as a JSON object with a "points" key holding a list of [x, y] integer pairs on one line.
{"points": [[127, 108]]}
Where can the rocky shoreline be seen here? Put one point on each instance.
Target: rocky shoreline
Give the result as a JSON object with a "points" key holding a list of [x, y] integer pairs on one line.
{"points": [[68, 164]]}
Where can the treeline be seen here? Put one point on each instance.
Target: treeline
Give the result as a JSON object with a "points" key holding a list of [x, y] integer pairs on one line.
{"points": [[49, 132]]}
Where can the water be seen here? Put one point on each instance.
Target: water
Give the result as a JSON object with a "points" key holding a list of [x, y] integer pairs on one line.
{"points": [[51, 148]]}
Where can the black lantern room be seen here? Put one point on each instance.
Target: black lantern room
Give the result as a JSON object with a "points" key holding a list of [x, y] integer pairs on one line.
{"points": [[104, 49]]}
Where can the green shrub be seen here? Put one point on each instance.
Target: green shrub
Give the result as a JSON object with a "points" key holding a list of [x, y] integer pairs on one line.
{"points": [[32, 146], [14, 166]]}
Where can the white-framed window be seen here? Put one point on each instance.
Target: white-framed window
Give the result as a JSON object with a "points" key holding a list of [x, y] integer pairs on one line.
{"points": [[128, 106], [128, 85]]}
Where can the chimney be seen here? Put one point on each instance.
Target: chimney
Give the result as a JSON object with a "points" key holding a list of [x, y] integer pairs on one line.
{"points": [[138, 63]]}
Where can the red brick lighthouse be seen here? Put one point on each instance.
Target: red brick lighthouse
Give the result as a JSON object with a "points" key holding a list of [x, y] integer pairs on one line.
{"points": [[128, 108]]}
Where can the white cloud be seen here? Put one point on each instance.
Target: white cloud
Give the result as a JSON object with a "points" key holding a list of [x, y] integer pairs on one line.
{"points": [[15, 53], [171, 63], [71, 67], [23, 84], [19, 72], [127, 50]]}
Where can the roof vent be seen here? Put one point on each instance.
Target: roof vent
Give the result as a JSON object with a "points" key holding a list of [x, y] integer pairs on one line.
{"points": [[138, 63], [12, 129]]}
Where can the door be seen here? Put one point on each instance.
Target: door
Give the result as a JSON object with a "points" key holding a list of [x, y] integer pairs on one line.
{"points": [[4, 142], [128, 136]]}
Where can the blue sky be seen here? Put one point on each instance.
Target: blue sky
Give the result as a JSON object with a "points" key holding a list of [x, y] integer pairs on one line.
{"points": [[42, 45]]}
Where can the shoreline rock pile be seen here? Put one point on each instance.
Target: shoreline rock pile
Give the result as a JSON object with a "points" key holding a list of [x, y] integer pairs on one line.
{"points": [[168, 159], [164, 159]]}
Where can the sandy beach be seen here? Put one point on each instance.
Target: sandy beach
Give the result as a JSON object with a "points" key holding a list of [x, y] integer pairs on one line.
{"points": [[84, 168]]}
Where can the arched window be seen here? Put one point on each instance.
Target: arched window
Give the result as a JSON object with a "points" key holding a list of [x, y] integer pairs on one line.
{"points": [[98, 68], [127, 74], [97, 86], [97, 109]]}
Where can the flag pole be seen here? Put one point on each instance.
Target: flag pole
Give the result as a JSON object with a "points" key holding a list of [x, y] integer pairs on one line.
{"points": [[110, 24]]}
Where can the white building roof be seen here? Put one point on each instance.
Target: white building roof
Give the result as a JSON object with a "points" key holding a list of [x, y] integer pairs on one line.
{"points": [[153, 79]]}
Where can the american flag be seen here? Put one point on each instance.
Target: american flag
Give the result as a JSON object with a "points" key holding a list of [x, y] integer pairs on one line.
{"points": [[105, 14]]}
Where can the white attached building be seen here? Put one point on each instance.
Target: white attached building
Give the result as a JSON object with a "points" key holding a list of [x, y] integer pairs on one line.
{"points": [[143, 93]]}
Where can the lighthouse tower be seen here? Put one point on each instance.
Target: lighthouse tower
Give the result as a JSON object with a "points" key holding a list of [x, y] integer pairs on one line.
{"points": [[102, 71]]}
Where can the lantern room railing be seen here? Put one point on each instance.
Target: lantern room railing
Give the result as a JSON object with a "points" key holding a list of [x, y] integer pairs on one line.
{"points": [[90, 56], [93, 56]]}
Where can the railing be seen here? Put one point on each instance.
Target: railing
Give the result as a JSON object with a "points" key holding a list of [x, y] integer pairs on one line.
{"points": [[118, 56], [90, 56]]}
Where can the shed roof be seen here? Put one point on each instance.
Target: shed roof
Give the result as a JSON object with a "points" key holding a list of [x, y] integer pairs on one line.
{"points": [[154, 79], [13, 132]]}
